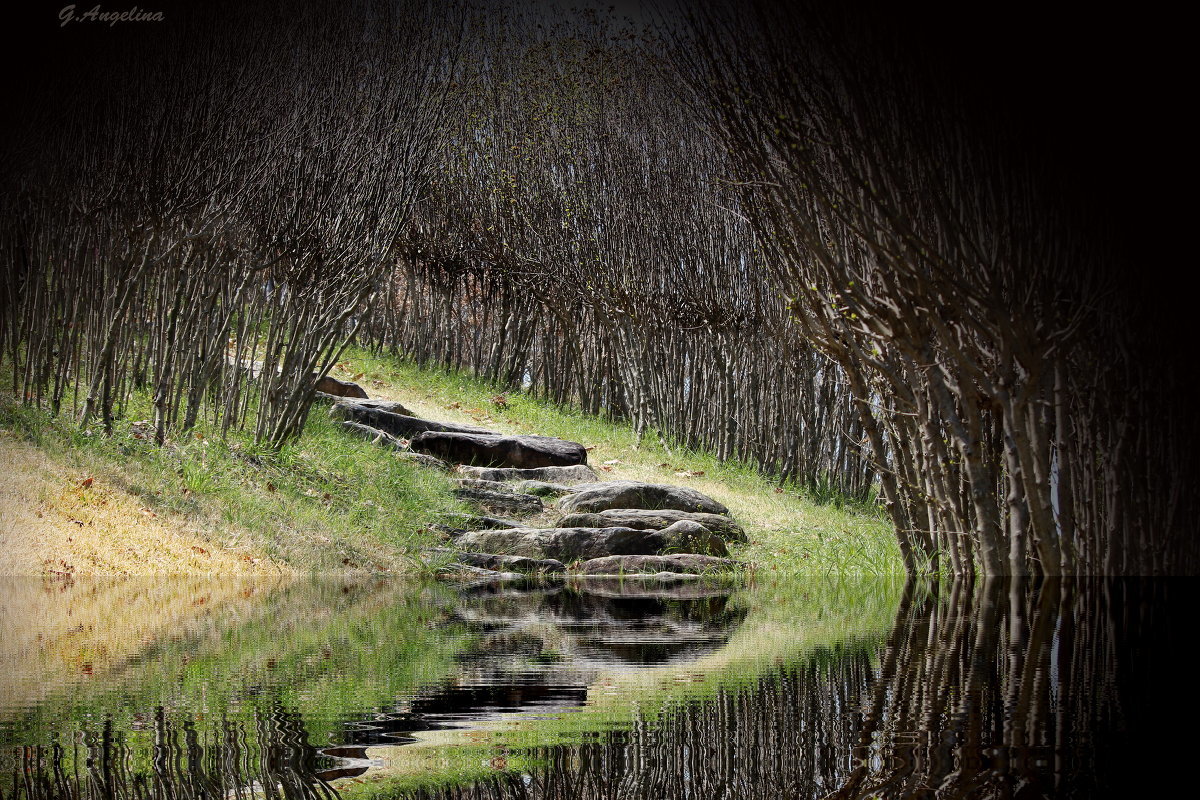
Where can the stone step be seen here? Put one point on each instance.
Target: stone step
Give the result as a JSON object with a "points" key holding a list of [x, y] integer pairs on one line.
{"points": [[577, 473], [655, 519], [494, 450], [596, 497], [507, 502]]}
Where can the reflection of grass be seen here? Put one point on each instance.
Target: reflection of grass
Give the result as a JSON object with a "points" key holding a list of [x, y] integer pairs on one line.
{"points": [[67, 635], [327, 650], [788, 621]]}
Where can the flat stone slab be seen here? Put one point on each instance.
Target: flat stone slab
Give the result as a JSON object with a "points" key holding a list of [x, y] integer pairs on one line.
{"points": [[471, 522], [681, 563], [494, 450], [478, 574], [492, 486], [595, 497], [577, 473], [384, 439], [543, 489], [390, 406], [372, 435], [509, 502], [331, 385], [423, 459], [655, 519], [400, 425], [564, 544]]}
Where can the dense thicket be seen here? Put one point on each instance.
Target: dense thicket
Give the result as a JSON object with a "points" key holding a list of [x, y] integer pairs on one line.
{"points": [[206, 217], [582, 240], [979, 320]]}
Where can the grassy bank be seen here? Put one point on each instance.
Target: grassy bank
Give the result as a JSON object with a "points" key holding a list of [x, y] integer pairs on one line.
{"points": [[789, 530], [330, 502]]}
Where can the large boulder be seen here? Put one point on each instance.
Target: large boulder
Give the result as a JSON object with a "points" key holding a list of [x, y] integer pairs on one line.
{"points": [[564, 544], [595, 497], [400, 425], [686, 536], [494, 450], [506, 502], [653, 519], [578, 473], [688, 563], [331, 385]]}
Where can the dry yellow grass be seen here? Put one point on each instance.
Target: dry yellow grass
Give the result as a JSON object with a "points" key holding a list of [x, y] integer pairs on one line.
{"points": [[55, 631], [57, 522]]}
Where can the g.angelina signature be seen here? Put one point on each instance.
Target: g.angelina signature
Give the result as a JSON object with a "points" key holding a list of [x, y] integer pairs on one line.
{"points": [[97, 14]]}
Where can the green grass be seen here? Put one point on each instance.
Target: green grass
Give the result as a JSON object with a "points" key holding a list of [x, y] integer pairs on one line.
{"points": [[331, 502], [327, 502], [331, 650]]}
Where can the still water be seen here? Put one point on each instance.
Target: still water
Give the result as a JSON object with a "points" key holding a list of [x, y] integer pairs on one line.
{"points": [[800, 688]]}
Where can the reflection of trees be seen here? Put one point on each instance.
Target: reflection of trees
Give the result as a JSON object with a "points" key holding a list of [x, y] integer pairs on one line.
{"points": [[784, 735], [269, 758], [999, 689], [995, 690], [1008, 690]]}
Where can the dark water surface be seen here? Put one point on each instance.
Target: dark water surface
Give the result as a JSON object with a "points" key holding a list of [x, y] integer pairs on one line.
{"points": [[802, 688]]}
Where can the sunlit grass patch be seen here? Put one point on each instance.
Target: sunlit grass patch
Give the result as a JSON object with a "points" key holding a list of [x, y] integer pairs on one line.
{"points": [[328, 502]]}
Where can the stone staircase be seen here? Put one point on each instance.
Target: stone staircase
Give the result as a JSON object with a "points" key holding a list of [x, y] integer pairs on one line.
{"points": [[586, 527]]}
